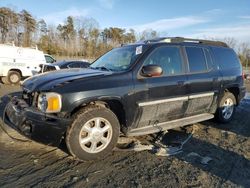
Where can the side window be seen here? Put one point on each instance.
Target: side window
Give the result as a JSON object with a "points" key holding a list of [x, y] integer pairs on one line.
{"points": [[49, 59], [196, 59], [83, 65], [74, 65], [48, 68], [168, 58], [208, 58], [226, 58]]}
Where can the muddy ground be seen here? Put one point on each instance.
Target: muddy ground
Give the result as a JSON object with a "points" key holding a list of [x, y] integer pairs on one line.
{"points": [[217, 155]]}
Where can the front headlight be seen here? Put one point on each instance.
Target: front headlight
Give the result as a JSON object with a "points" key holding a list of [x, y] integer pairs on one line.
{"points": [[50, 102]]}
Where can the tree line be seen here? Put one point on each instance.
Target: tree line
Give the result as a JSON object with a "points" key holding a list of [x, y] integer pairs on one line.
{"points": [[78, 36]]}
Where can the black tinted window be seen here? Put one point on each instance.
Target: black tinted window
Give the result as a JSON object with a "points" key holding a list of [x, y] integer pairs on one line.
{"points": [[168, 58], [74, 65], [196, 59], [226, 58], [84, 64], [48, 68]]}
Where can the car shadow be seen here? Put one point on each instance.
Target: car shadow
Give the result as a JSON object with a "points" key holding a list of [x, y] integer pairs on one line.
{"points": [[228, 165], [240, 124]]}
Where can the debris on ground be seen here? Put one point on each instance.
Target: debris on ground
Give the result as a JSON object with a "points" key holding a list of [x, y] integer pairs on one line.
{"points": [[202, 159], [157, 146], [206, 160], [168, 151]]}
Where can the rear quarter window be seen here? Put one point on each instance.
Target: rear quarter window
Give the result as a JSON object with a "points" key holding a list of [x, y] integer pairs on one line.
{"points": [[226, 58]]}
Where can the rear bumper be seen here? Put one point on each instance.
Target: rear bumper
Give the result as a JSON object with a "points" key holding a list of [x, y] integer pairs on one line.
{"points": [[41, 127]]}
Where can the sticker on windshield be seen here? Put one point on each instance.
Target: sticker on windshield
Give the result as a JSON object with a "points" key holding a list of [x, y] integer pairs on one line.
{"points": [[138, 50]]}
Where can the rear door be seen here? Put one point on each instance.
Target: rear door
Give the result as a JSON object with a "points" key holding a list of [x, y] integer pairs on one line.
{"points": [[202, 80], [167, 99]]}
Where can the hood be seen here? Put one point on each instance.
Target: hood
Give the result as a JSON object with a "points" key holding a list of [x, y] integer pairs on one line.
{"points": [[49, 80]]}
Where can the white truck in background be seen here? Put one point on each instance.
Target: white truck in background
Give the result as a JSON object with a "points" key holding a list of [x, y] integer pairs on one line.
{"points": [[18, 62]]}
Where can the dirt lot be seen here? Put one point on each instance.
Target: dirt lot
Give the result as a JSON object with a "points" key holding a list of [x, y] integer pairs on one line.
{"points": [[217, 155]]}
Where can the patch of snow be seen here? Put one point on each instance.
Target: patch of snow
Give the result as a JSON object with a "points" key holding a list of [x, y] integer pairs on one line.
{"points": [[247, 96]]}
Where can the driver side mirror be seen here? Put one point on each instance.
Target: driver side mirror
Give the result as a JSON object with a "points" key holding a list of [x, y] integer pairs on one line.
{"points": [[151, 71]]}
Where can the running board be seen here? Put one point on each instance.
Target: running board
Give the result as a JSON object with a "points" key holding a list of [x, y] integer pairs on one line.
{"points": [[169, 125]]}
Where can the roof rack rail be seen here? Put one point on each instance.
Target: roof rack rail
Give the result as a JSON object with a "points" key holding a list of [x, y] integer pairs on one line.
{"points": [[182, 39]]}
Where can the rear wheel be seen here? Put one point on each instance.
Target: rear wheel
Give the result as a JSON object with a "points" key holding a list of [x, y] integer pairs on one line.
{"points": [[226, 109], [93, 134], [14, 77]]}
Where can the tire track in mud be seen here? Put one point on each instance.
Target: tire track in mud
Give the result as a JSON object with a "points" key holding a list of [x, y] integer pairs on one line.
{"points": [[25, 160], [82, 172], [75, 173], [124, 173], [32, 173], [21, 155], [57, 169], [68, 174], [47, 171]]}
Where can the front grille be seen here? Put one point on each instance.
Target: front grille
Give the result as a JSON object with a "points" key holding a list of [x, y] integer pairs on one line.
{"points": [[28, 97]]}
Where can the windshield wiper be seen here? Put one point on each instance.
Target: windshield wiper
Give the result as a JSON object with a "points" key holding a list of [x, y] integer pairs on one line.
{"points": [[102, 68]]}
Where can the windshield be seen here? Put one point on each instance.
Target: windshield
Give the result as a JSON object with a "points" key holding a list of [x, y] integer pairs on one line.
{"points": [[118, 59]]}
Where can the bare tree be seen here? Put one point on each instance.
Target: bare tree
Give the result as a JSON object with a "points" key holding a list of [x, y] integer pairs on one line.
{"points": [[148, 34], [243, 52]]}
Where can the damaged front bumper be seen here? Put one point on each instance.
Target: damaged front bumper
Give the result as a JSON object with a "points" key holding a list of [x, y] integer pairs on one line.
{"points": [[41, 127]]}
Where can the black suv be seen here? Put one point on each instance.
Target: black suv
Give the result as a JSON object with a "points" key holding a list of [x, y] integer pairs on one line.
{"points": [[133, 90]]}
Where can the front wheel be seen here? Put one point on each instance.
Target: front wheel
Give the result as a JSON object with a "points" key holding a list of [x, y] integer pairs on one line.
{"points": [[93, 133], [226, 109]]}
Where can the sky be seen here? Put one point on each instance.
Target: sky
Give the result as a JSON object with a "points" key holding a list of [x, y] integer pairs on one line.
{"points": [[187, 18]]}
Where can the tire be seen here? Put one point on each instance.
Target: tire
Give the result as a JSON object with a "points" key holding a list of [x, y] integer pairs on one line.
{"points": [[14, 77], [97, 141], [5, 80], [226, 109]]}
